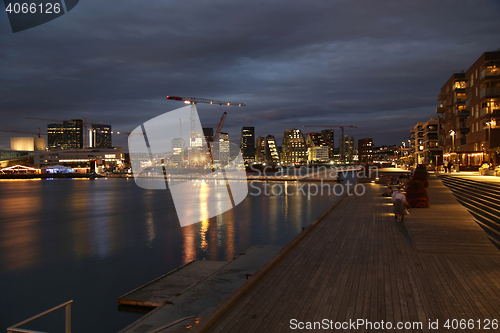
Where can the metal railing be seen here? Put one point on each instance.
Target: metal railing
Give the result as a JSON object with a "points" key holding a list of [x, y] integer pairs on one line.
{"points": [[67, 325]]}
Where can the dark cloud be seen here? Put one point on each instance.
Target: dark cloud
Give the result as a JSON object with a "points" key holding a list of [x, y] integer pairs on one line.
{"points": [[375, 64]]}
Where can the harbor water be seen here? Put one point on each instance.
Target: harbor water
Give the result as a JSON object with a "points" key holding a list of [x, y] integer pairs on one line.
{"points": [[93, 240]]}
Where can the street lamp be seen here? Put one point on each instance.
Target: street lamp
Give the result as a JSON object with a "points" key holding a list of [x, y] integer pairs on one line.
{"points": [[452, 133]]}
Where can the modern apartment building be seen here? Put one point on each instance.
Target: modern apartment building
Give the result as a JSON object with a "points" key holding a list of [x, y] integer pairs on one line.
{"points": [[328, 138], [365, 150], [427, 142], [248, 144], [470, 112], [346, 149], [267, 151], [318, 150], [294, 148]]}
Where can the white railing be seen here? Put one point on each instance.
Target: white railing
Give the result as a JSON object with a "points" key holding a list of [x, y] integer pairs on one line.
{"points": [[15, 328]]}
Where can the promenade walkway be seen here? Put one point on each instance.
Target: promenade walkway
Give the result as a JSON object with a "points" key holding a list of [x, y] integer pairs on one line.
{"points": [[359, 263], [475, 176]]}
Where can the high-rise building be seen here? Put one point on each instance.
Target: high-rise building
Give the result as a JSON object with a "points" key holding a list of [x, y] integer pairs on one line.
{"points": [[224, 149], [470, 113], [272, 155], [73, 133], [346, 148], [294, 148], [208, 132], [178, 148], [100, 136], [67, 135], [328, 138], [426, 142], [267, 151], [248, 144], [365, 150], [317, 148]]}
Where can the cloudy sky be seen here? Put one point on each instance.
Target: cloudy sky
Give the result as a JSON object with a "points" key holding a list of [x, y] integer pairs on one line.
{"points": [[375, 64]]}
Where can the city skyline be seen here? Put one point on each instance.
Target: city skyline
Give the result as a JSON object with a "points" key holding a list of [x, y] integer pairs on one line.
{"points": [[333, 63]]}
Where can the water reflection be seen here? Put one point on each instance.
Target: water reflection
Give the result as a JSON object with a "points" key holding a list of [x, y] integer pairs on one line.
{"points": [[62, 232]]}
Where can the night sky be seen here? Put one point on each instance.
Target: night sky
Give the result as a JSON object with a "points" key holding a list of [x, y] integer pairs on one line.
{"points": [[375, 64]]}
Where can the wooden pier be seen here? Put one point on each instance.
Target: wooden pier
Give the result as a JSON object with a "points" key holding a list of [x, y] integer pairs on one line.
{"points": [[359, 263]]}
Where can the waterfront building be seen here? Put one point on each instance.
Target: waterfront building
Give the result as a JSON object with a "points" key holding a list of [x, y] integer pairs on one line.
{"points": [[267, 151], [100, 136], [294, 147], [365, 150], [346, 149], [88, 159], [328, 138], [178, 149], [318, 150], [248, 144], [68, 135], [224, 149], [28, 144], [426, 142], [470, 112]]}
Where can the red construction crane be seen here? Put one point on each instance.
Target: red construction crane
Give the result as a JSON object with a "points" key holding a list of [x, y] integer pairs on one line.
{"points": [[216, 135], [195, 100], [339, 126]]}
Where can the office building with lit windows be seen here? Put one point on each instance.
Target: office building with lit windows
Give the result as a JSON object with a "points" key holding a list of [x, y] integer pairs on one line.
{"points": [[318, 150], [267, 151], [248, 144], [328, 138], [294, 147], [365, 150], [346, 149], [100, 136], [68, 135]]}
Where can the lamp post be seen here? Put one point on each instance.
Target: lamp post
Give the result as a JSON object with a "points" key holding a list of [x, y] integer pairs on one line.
{"points": [[452, 133], [489, 123]]}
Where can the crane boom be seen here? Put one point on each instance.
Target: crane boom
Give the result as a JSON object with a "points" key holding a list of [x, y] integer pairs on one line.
{"points": [[195, 100], [219, 128], [23, 132]]}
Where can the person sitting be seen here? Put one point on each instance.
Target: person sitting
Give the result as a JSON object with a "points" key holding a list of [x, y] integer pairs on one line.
{"points": [[388, 191]]}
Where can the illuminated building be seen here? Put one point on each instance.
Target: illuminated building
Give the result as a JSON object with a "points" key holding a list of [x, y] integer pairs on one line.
{"points": [[27, 144], [365, 150], [426, 142], [470, 112], [267, 151], [224, 152], [90, 159], [328, 138], [100, 136], [248, 144], [317, 148], [294, 148], [68, 135], [346, 148], [178, 147]]}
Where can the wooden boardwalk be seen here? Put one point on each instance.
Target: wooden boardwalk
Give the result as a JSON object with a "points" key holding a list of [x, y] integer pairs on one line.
{"points": [[447, 227], [359, 263]]}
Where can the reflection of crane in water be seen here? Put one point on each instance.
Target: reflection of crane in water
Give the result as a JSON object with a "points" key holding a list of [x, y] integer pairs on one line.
{"points": [[195, 100]]}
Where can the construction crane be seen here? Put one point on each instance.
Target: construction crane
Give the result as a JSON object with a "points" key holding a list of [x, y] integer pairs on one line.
{"points": [[219, 128], [339, 126], [23, 132], [195, 100]]}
